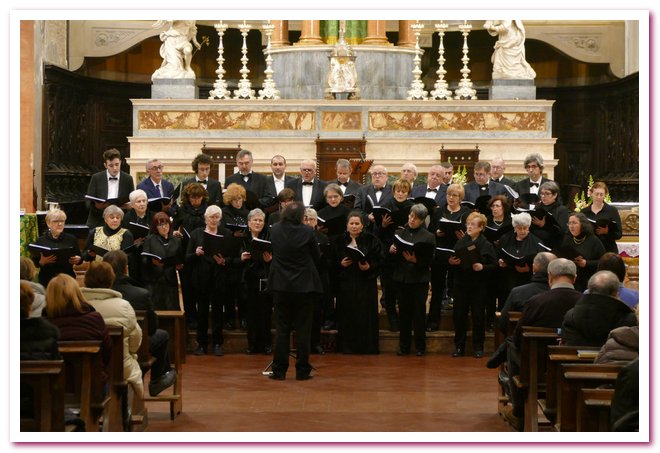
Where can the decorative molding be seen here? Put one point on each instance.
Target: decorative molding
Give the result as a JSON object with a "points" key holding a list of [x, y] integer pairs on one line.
{"points": [[463, 121], [586, 43], [107, 37], [226, 120]]}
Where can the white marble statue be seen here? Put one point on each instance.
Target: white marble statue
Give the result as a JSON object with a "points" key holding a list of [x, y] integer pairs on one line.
{"points": [[176, 50], [509, 55]]}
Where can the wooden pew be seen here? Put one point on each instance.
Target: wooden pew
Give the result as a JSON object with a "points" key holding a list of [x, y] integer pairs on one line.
{"points": [[499, 338], [533, 350], [46, 378], [118, 386], [173, 322], [593, 410], [558, 354], [576, 376], [81, 358]]}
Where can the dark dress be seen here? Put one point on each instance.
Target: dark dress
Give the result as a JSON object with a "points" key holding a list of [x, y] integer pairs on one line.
{"points": [[591, 249], [470, 292], [528, 248], [259, 302], [160, 279], [49, 271], [358, 295], [498, 285], [611, 214], [328, 213], [187, 220], [412, 287], [442, 274], [234, 297], [552, 232], [134, 258], [208, 282]]}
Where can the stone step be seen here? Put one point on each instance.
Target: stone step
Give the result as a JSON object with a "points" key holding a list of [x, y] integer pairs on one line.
{"points": [[441, 341]]}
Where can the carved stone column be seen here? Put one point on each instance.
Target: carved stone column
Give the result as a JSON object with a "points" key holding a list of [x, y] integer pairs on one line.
{"points": [[280, 33], [376, 33], [310, 34], [406, 36]]}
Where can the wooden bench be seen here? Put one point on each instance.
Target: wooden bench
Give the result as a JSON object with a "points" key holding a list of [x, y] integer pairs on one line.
{"points": [[46, 379], [499, 338], [558, 354], [118, 386], [174, 323], [593, 410], [533, 350], [81, 359], [576, 376]]}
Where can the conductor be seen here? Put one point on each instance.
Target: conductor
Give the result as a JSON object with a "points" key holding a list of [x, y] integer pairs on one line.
{"points": [[292, 279]]}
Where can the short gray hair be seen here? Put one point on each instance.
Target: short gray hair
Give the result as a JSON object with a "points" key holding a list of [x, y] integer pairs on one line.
{"points": [[256, 212], [605, 283], [420, 211], [133, 196], [534, 157], [562, 266], [523, 219], [542, 260], [112, 209], [146, 166], [334, 188], [311, 212], [212, 210]]}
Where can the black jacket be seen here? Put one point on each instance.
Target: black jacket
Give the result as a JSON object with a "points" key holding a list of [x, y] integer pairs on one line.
{"points": [[592, 319], [295, 255], [39, 339], [138, 297], [520, 295]]}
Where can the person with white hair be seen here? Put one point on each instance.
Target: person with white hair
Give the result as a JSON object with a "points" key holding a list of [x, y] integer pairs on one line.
{"points": [[208, 280], [516, 252], [138, 221]]}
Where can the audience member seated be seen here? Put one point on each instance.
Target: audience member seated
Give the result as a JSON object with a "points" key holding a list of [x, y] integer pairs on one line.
{"points": [[67, 308], [546, 309], [596, 313], [116, 312], [38, 342], [622, 345], [613, 262], [27, 275], [624, 415], [162, 374]]}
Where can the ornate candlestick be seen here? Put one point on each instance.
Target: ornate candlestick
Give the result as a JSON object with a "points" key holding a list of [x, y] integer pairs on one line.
{"points": [[441, 89], [465, 90], [245, 90], [220, 90], [416, 92], [269, 91]]}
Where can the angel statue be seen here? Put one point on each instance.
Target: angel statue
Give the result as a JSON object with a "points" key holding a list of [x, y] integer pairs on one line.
{"points": [[509, 55], [176, 50]]}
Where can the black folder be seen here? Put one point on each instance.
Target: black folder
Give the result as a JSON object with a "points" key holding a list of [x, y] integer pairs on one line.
{"points": [[227, 246], [63, 254]]}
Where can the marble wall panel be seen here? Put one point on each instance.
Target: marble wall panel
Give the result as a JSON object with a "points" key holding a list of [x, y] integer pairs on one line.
{"points": [[455, 121], [339, 121], [225, 120]]}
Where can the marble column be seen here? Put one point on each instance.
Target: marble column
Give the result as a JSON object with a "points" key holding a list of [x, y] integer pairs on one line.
{"points": [[406, 35], [376, 33], [280, 33], [310, 34]]}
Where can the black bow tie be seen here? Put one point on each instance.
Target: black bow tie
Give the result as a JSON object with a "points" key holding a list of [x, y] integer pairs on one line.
{"points": [[205, 181], [341, 183], [307, 183], [533, 184], [432, 190], [113, 178]]}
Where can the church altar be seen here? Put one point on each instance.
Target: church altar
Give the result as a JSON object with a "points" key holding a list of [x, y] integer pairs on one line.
{"points": [[396, 131]]}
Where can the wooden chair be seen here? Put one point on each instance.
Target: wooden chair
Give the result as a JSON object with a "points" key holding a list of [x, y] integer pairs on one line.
{"points": [[558, 354], [46, 379], [593, 410], [81, 359], [533, 349], [499, 338], [118, 386], [576, 376], [174, 323]]}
